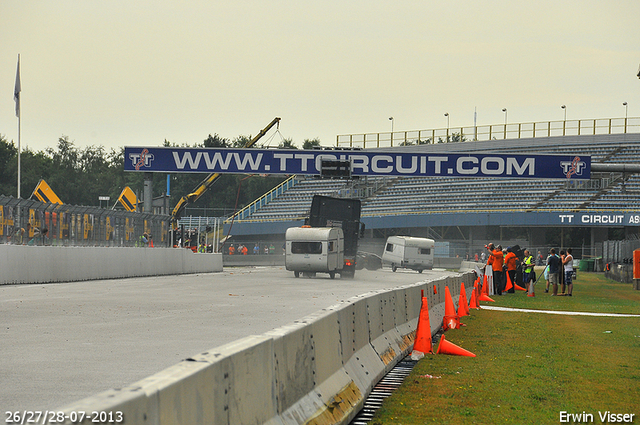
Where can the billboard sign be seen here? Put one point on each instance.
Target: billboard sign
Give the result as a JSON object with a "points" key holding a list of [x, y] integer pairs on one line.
{"points": [[363, 163]]}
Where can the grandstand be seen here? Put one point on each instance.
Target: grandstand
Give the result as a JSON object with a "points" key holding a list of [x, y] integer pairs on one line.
{"points": [[411, 203]]}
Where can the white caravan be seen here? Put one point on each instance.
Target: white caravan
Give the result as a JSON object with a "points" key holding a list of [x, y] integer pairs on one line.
{"points": [[409, 252], [314, 249]]}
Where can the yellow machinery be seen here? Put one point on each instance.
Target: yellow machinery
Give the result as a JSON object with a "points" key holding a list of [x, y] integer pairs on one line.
{"points": [[210, 180]]}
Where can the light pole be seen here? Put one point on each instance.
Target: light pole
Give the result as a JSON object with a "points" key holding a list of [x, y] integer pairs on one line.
{"points": [[391, 119], [564, 123], [626, 106], [446, 114], [505, 122]]}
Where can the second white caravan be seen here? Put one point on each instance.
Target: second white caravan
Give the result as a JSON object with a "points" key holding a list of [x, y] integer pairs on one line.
{"points": [[409, 253]]}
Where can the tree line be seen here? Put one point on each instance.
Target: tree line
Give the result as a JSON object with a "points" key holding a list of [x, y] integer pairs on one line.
{"points": [[80, 175]]}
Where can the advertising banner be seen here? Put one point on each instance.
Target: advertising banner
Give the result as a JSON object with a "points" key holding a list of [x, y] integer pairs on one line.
{"points": [[363, 163]]}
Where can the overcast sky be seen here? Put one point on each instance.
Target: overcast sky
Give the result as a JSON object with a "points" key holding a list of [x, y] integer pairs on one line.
{"points": [[134, 73]]}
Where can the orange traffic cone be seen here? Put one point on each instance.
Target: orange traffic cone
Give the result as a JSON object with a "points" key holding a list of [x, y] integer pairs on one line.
{"points": [[509, 284], [451, 319], [518, 287], [473, 303], [485, 285], [447, 347], [485, 297], [463, 305], [422, 343]]}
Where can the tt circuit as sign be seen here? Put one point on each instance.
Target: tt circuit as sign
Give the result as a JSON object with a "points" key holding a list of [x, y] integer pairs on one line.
{"points": [[363, 163]]}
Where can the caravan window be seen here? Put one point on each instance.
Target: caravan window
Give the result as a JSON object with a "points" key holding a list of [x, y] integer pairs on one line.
{"points": [[389, 247], [306, 247], [330, 246], [424, 251]]}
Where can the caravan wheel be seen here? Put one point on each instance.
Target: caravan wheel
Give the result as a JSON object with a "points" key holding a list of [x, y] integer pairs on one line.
{"points": [[393, 268]]}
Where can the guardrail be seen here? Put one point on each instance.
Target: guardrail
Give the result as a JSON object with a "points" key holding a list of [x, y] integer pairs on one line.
{"points": [[491, 132], [317, 370], [29, 222]]}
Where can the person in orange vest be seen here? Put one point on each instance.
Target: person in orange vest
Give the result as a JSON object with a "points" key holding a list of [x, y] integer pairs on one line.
{"points": [[510, 261], [490, 248], [232, 249], [496, 259], [245, 250]]}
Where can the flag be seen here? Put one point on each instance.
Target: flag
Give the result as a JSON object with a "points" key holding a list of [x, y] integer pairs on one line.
{"points": [[128, 199], [17, 89], [44, 193]]}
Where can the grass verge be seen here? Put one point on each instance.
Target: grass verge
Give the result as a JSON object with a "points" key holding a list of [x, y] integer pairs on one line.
{"points": [[530, 367]]}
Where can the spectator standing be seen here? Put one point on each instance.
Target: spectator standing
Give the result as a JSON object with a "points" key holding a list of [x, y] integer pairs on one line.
{"points": [[561, 273], [256, 249], [232, 249], [554, 265], [245, 250], [568, 271]]}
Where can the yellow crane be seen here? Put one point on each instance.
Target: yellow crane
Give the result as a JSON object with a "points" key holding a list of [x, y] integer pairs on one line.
{"points": [[210, 180]]}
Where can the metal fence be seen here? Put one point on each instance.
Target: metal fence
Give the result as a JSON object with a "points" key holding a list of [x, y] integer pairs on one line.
{"points": [[28, 222], [620, 252], [491, 132]]}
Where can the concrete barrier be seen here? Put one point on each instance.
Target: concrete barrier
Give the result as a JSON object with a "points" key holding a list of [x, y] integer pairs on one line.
{"points": [[317, 370], [44, 264], [278, 260]]}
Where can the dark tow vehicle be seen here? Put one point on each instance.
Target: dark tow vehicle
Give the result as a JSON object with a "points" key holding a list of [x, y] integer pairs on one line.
{"points": [[344, 213]]}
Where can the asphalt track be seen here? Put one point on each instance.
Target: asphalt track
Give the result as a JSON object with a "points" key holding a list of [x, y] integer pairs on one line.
{"points": [[63, 342]]}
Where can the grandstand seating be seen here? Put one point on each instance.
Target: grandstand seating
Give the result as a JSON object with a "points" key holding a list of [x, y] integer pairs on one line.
{"points": [[294, 204], [424, 195]]}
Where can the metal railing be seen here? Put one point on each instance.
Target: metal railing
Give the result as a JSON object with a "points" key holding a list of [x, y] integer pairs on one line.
{"points": [[28, 222], [263, 200], [491, 132], [620, 252]]}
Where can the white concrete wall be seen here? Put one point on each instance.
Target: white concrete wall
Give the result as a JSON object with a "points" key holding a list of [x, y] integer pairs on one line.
{"points": [[42, 264], [318, 370]]}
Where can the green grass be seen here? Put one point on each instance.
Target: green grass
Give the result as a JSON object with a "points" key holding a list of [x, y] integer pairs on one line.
{"points": [[531, 366]]}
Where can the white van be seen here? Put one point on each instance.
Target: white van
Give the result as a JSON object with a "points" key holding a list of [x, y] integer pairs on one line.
{"points": [[409, 252], [314, 249]]}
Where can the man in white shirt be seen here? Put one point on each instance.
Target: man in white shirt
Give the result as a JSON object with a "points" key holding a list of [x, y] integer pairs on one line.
{"points": [[568, 271]]}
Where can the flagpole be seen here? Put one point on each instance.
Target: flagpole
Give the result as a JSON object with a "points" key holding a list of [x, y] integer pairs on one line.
{"points": [[16, 96], [19, 131]]}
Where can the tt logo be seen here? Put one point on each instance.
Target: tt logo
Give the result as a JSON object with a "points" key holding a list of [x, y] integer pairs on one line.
{"points": [[570, 168], [142, 159]]}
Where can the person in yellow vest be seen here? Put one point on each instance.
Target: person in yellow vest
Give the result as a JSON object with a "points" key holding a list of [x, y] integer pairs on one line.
{"points": [[527, 269]]}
